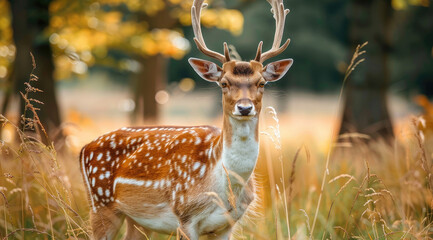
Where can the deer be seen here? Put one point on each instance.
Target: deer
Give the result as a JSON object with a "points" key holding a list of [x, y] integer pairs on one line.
{"points": [[189, 180]]}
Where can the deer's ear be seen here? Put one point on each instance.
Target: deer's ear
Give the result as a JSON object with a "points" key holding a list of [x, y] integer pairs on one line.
{"points": [[207, 70], [275, 71]]}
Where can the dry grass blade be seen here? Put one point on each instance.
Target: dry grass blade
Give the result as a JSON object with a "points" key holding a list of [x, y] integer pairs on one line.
{"points": [[4, 198], [31, 123], [344, 185], [181, 234], [26, 230], [307, 222], [218, 201], [307, 153], [292, 178], [232, 197], [341, 176], [354, 201], [342, 229], [420, 139], [349, 70], [142, 233]]}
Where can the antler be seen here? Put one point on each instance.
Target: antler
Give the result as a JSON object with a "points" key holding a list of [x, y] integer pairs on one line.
{"points": [[198, 39], [280, 17]]}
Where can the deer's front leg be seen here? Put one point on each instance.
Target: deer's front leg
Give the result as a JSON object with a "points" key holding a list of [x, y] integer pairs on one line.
{"points": [[188, 231], [223, 235]]}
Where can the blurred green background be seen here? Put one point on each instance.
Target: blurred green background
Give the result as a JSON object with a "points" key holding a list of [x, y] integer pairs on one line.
{"points": [[139, 49]]}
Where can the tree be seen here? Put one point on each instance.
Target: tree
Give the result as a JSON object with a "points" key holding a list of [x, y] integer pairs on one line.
{"points": [[108, 33], [365, 104], [145, 32], [29, 21]]}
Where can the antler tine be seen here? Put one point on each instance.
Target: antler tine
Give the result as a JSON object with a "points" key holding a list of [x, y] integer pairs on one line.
{"points": [[198, 39], [259, 52], [226, 52], [280, 16]]}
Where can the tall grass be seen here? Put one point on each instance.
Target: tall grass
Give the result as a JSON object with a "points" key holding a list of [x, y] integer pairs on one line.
{"points": [[372, 192], [40, 194]]}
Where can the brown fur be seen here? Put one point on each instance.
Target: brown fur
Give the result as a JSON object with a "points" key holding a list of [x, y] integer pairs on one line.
{"points": [[169, 165], [135, 163], [243, 69], [240, 88]]}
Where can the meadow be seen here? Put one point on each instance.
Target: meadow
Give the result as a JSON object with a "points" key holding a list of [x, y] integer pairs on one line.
{"points": [[312, 184]]}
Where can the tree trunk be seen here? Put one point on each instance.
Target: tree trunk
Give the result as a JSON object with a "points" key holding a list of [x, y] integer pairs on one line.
{"points": [[365, 105], [29, 20], [151, 79], [49, 113]]}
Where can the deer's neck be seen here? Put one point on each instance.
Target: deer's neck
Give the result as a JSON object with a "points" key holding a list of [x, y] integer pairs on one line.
{"points": [[240, 146]]}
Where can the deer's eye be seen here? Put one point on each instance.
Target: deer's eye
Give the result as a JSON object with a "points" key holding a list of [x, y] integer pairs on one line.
{"points": [[262, 85], [224, 85]]}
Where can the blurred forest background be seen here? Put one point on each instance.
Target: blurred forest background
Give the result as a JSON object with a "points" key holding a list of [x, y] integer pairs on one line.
{"points": [[107, 64], [138, 49]]}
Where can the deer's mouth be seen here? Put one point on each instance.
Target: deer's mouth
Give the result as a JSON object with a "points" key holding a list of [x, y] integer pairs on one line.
{"points": [[241, 117]]}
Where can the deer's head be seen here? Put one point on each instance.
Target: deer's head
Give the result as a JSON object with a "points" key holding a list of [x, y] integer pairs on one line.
{"points": [[242, 82]]}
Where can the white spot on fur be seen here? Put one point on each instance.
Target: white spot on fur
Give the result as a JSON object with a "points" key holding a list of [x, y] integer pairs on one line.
{"points": [[208, 138], [196, 166], [148, 183], [202, 170], [129, 181], [162, 183], [87, 180], [100, 191]]}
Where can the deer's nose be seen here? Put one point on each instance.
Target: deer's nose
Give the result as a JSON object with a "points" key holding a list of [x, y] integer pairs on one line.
{"points": [[245, 110]]}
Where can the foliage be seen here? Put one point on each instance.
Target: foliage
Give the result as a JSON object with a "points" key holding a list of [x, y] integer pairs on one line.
{"points": [[404, 4], [7, 49], [112, 33], [85, 33]]}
